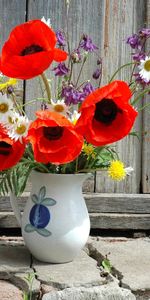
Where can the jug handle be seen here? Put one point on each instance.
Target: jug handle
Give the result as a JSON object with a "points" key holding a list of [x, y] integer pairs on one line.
{"points": [[15, 207]]}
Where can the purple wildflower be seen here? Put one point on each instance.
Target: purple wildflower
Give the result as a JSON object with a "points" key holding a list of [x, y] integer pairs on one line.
{"points": [[60, 38], [71, 95], [87, 44], [145, 32], [97, 73], [10, 89], [44, 106], [88, 89], [76, 56], [134, 41], [61, 70], [138, 56]]}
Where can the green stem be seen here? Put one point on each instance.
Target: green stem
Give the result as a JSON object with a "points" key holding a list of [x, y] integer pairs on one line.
{"points": [[123, 66], [47, 87], [139, 96]]}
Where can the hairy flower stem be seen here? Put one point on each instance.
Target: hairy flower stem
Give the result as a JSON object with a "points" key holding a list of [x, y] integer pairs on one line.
{"points": [[85, 58], [33, 101], [71, 69], [100, 78], [16, 104], [67, 14], [139, 96], [120, 68], [143, 107], [47, 87]]}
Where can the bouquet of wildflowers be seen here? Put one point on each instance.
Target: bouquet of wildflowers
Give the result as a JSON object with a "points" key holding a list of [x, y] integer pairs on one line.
{"points": [[74, 131]]}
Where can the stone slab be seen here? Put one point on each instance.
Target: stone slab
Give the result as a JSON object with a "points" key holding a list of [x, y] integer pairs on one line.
{"points": [[131, 257], [109, 291], [9, 291], [15, 261], [82, 271], [13, 258]]}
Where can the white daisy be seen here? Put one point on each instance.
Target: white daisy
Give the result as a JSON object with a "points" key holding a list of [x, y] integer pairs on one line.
{"points": [[145, 69], [58, 106], [6, 105], [129, 170], [11, 119], [75, 116], [48, 22], [19, 128]]}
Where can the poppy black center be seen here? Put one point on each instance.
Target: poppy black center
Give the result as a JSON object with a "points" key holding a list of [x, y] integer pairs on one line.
{"points": [[5, 148], [53, 133], [31, 50], [106, 111]]}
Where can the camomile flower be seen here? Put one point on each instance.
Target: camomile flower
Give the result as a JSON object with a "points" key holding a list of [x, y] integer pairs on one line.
{"points": [[6, 105], [75, 116], [58, 106], [47, 22], [19, 128], [11, 119], [145, 69], [117, 171]]}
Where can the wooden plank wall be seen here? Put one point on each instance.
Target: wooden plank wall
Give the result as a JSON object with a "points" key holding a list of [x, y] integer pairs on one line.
{"points": [[108, 22]]}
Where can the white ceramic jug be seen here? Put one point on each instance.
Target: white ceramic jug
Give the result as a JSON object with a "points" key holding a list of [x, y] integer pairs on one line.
{"points": [[55, 223]]}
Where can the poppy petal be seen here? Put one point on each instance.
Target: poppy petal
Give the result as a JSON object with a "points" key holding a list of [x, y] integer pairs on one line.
{"points": [[29, 50], [106, 114], [10, 151], [59, 55], [54, 139]]}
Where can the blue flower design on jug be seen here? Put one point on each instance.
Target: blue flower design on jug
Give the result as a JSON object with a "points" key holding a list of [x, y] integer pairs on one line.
{"points": [[40, 216]]}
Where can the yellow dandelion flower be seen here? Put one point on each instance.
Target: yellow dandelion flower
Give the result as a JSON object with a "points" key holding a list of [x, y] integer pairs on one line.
{"points": [[117, 170], [10, 82], [88, 150]]}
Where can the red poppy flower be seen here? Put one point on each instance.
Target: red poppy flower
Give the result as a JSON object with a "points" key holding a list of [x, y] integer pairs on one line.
{"points": [[54, 138], [10, 151], [106, 115], [29, 50]]}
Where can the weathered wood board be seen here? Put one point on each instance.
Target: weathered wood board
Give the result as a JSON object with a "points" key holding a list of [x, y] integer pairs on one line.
{"points": [[146, 130], [109, 22], [107, 211], [99, 203], [100, 221]]}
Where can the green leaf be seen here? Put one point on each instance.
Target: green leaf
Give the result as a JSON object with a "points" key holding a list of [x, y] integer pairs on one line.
{"points": [[48, 202], [136, 134], [42, 193], [34, 198], [43, 231], [107, 265], [22, 179], [14, 181], [29, 228]]}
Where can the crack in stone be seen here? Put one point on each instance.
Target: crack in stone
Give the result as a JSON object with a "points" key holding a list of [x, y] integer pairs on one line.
{"points": [[96, 255]]}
